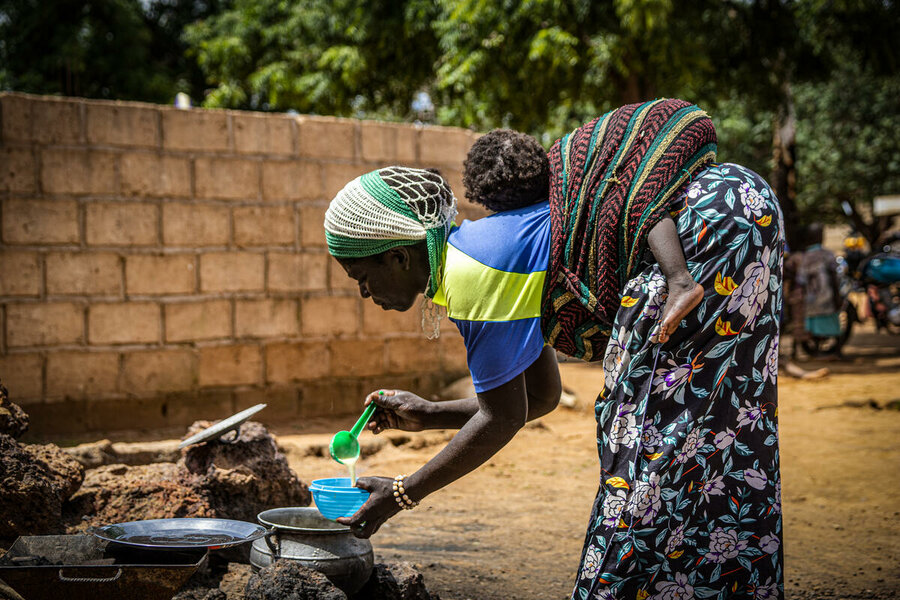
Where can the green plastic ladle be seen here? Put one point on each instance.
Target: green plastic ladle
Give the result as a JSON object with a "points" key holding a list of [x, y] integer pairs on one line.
{"points": [[345, 445]]}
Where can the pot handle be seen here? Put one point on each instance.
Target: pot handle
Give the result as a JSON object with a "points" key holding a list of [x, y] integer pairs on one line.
{"points": [[90, 579], [272, 541]]}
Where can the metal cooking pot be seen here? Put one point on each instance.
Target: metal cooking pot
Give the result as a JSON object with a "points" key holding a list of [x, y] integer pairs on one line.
{"points": [[304, 535]]}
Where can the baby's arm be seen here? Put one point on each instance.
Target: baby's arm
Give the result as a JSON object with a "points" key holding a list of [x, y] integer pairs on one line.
{"points": [[684, 292]]}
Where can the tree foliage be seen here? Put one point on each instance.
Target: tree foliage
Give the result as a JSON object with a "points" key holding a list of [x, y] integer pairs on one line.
{"points": [[849, 133], [343, 57], [123, 49]]}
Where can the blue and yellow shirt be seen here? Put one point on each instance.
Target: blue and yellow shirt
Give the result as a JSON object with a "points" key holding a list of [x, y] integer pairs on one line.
{"points": [[493, 277]]}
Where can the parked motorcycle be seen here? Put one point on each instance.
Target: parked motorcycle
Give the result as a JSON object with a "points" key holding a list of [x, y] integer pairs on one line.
{"points": [[878, 275]]}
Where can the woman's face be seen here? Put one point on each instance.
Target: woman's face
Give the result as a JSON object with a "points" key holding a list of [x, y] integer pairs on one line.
{"points": [[392, 279]]}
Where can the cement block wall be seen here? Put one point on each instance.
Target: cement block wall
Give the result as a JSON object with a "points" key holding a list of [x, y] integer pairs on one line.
{"points": [[160, 265]]}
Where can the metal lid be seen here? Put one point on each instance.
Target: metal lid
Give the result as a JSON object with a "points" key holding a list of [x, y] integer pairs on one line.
{"points": [[232, 423]]}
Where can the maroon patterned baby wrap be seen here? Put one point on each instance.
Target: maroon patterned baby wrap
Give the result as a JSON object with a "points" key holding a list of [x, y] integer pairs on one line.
{"points": [[611, 181]]}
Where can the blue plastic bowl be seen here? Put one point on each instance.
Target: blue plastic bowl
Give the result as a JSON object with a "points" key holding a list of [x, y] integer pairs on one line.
{"points": [[335, 497]]}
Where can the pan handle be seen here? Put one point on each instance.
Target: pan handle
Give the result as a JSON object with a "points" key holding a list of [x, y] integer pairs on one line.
{"points": [[90, 579], [273, 542]]}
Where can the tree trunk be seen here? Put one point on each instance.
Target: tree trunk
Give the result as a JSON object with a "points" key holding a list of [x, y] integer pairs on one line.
{"points": [[784, 170]]}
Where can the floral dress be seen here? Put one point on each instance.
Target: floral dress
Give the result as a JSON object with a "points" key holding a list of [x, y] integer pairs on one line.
{"points": [[689, 504]]}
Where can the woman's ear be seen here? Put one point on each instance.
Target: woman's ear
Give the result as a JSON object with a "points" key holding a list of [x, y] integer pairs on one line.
{"points": [[399, 255]]}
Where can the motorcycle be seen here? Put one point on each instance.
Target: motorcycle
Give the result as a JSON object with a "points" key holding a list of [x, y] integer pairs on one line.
{"points": [[874, 276], [878, 275]]}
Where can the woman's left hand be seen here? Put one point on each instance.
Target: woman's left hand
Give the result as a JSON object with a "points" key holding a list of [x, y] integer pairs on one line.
{"points": [[380, 506]]}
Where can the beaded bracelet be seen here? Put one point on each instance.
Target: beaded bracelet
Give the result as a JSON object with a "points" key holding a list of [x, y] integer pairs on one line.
{"points": [[400, 494]]}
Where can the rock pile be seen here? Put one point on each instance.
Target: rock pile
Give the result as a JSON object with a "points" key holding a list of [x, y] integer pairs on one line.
{"points": [[35, 479], [235, 480], [13, 420], [288, 580]]}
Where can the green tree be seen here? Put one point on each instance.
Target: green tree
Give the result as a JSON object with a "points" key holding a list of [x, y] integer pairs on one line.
{"points": [[547, 66], [764, 49], [849, 135], [123, 49], [341, 57]]}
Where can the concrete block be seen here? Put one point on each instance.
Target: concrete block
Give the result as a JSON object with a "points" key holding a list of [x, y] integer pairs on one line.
{"points": [[72, 171], [158, 371], [339, 280], [20, 273], [266, 318], [312, 226], [289, 362], [195, 225], [81, 374], [40, 222], [17, 171], [155, 176], [196, 129], [226, 178], [84, 273], [454, 179], [124, 323], [329, 316], [122, 224], [412, 354], [121, 124], [324, 137], [230, 365], [291, 180], [22, 375], [232, 272], [184, 408], [195, 321], [453, 354], [161, 274], [290, 272], [380, 322], [337, 175], [331, 397], [45, 324], [388, 143], [356, 358], [112, 414], [282, 404], [15, 118], [56, 121], [263, 133], [66, 416], [264, 226], [444, 146]]}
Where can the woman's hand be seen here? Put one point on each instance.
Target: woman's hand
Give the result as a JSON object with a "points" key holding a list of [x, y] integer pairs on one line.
{"points": [[399, 410], [380, 506]]}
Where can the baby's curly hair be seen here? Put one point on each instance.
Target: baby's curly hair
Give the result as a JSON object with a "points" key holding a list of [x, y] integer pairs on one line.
{"points": [[506, 169]]}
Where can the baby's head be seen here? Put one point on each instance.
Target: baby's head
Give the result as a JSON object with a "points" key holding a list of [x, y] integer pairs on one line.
{"points": [[505, 170]]}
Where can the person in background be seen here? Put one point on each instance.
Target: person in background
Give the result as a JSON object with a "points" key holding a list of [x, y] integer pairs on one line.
{"points": [[818, 273], [793, 330]]}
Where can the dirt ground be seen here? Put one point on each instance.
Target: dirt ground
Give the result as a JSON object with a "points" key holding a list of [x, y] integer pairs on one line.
{"points": [[514, 527]]}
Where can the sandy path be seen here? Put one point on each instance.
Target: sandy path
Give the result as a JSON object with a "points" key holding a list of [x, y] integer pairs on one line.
{"points": [[514, 527]]}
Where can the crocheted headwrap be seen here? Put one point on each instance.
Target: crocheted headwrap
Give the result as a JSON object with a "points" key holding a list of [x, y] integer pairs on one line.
{"points": [[393, 206]]}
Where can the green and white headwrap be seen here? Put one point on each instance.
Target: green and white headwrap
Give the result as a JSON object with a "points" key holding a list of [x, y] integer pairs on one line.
{"points": [[393, 206]]}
